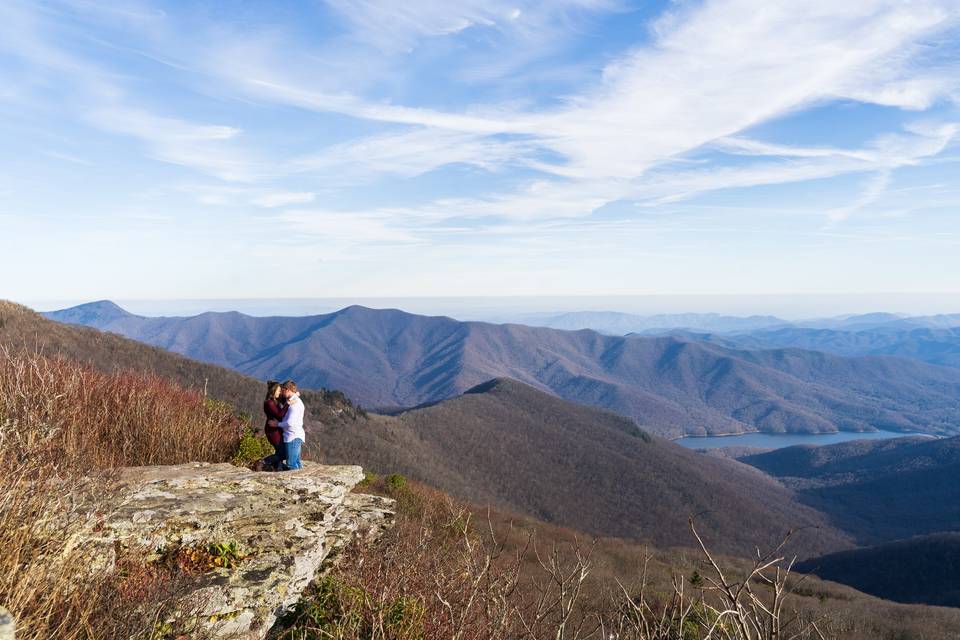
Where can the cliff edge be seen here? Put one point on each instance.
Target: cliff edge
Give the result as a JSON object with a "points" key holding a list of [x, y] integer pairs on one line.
{"points": [[260, 537]]}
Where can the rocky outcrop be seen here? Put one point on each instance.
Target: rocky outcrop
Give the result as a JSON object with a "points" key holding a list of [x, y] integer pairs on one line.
{"points": [[265, 536], [7, 625]]}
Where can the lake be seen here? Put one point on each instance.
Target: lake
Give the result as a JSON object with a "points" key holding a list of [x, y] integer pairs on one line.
{"points": [[780, 440]]}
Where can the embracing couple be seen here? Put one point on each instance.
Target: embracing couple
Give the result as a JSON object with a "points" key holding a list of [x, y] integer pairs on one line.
{"points": [[284, 427]]}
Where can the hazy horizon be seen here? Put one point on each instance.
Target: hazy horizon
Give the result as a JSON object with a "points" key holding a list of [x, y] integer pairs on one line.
{"points": [[493, 308]]}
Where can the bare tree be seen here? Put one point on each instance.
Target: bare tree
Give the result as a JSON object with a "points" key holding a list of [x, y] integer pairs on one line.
{"points": [[747, 607]]}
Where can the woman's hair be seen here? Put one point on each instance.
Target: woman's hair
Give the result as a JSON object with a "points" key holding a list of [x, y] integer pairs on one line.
{"points": [[272, 386]]}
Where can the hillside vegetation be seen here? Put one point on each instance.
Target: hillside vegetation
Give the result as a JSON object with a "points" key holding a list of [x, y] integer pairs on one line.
{"points": [[518, 448], [63, 426], [879, 491], [454, 570], [22, 328], [388, 358], [922, 569], [74, 417]]}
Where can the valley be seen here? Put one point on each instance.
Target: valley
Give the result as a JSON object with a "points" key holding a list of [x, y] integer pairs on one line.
{"points": [[519, 448]]}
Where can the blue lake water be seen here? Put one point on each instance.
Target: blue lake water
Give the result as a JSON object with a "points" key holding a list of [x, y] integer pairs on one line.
{"points": [[780, 440]]}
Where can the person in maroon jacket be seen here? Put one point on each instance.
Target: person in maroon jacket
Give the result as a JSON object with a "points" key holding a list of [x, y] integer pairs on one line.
{"points": [[275, 409]]}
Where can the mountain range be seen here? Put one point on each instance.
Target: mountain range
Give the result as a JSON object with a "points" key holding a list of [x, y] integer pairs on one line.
{"points": [[505, 444], [671, 385], [619, 323], [892, 321], [940, 346], [526, 451], [934, 339]]}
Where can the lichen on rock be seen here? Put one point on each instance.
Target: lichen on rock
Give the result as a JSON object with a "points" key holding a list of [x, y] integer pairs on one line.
{"points": [[7, 625], [273, 532]]}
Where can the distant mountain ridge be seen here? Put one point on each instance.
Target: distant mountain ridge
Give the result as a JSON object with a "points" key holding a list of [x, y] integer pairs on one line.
{"points": [[934, 339], [102, 313], [616, 323], [867, 321], [619, 323], [672, 386], [940, 346]]}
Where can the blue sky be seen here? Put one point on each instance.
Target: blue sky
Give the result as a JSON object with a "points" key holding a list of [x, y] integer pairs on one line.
{"points": [[361, 148]]}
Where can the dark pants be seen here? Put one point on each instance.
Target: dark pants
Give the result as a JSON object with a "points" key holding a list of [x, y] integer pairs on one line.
{"points": [[279, 455]]}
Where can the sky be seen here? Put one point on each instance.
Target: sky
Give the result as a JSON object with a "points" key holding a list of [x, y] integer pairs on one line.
{"points": [[371, 148]]}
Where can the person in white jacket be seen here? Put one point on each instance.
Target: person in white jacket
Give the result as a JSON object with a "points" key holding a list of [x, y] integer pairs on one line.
{"points": [[292, 425]]}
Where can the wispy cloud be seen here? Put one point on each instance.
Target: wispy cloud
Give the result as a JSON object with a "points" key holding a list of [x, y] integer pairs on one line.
{"points": [[333, 118], [712, 71], [873, 189], [283, 198], [66, 157], [198, 146], [244, 196], [415, 151], [342, 227], [394, 26]]}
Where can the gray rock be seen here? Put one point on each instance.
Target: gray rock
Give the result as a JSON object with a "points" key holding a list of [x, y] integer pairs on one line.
{"points": [[366, 514], [8, 627], [286, 526]]}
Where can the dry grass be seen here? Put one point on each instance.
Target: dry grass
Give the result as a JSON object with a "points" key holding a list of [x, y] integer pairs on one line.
{"points": [[442, 574], [77, 418], [63, 426], [446, 570]]}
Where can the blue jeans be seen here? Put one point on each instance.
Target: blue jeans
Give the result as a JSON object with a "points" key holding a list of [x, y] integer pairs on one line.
{"points": [[293, 454], [279, 455]]}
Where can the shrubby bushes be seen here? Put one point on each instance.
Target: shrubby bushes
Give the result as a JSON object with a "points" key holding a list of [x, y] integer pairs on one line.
{"points": [[251, 447], [75, 418], [441, 574], [63, 427]]}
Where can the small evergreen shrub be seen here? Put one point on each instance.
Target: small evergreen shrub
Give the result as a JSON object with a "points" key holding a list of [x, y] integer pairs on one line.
{"points": [[332, 608], [396, 483], [409, 501], [369, 478], [251, 447]]}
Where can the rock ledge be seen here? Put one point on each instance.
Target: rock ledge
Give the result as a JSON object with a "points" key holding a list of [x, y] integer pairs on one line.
{"points": [[287, 526], [7, 625]]}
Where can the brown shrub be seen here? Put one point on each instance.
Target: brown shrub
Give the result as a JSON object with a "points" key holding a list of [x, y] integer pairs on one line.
{"points": [[439, 574], [77, 418], [63, 426], [450, 571]]}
